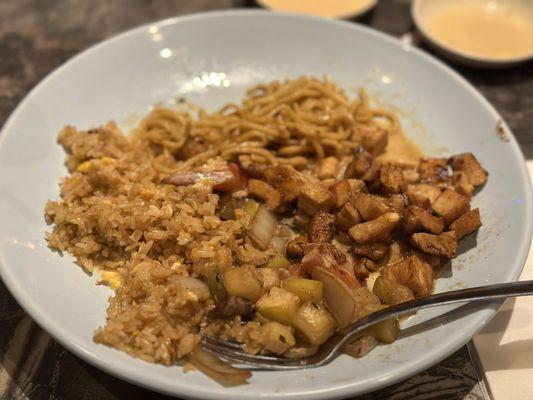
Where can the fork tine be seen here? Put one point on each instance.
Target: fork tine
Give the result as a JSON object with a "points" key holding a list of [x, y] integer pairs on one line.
{"points": [[237, 349], [256, 361], [220, 342], [232, 358]]}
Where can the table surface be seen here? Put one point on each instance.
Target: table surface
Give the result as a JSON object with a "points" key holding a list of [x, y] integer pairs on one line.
{"points": [[38, 35]]}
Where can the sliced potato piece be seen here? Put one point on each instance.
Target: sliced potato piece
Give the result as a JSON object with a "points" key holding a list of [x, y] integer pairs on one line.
{"points": [[305, 289], [278, 305], [313, 323]]}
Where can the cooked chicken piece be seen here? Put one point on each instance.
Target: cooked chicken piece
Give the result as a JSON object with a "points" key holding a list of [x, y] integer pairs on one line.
{"points": [[360, 268], [391, 179], [328, 168], [342, 191], [411, 176], [286, 179], [253, 169], [419, 201], [468, 164], [397, 202], [461, 184], [419, 220], [450, 205], [443, 245], [466, 223], [433, 170], [423, 190], [295, 247], [314, 198], [330, 257], [301, 220], [323, 254], [321, 228], [373, 251], [192, 147], [366, 263], [224, 177], [374, 139], [412, 272], [265, 192], [360, 166], [347, 217], [398, 251], [369, 206], [357, 185], [433, 260], [236, 306], [377, 230]]}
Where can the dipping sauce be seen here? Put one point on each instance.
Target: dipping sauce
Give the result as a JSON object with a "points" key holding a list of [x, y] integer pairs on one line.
{"points": [[324, 8], [489, 29]]}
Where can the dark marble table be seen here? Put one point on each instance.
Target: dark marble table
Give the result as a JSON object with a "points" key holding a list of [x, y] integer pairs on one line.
{"points": [[38, 35]]}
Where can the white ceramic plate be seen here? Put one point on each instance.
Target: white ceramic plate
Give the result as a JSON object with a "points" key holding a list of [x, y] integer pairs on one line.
{"points": [[210, 59]]}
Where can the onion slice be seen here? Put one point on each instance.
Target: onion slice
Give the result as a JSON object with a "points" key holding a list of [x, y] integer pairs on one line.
{"points": [[340, 299], [217, 369], [263, 227]]}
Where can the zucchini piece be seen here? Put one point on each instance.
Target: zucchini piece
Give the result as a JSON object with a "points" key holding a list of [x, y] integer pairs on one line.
{"points": [[305, 289], [278, 305], [391, 292], [385, 331], [278, 261], [216, 286], [313, 323], [277, 338], [241, 282]]}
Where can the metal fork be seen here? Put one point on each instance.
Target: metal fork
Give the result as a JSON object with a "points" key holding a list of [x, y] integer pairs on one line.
{"points": [[233, 352]]}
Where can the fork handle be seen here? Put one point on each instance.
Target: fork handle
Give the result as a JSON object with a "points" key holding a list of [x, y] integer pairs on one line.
{"points": [[479, 293]]}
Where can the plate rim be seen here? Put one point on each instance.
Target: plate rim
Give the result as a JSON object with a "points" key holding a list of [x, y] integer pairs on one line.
{"points": [[128, 372]]}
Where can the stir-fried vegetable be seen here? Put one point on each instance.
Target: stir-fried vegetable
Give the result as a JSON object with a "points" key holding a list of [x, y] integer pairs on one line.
{"points": [[217, 288], [251, 207], [305, 289], [339, 297], [263, 227], [241, 282], [313, 323], [278, 261], [217, 369], [277, 338], [385, 331], [391, 292], [278, 305], [361, 346]]}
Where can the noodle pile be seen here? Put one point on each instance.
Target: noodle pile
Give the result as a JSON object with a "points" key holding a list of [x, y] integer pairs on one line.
{"points": [[297, 122]]}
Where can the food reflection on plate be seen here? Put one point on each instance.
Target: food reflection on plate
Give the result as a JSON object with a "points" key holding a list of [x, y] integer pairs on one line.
{"points": [[273, 223]]}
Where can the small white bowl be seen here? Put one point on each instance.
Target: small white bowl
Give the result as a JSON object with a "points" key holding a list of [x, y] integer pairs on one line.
{"points": [[357, 11], [422, 10]]}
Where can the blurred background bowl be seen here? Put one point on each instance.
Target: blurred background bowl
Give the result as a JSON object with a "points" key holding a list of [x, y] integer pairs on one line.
{"points": [[424, 11], [339, 9]]}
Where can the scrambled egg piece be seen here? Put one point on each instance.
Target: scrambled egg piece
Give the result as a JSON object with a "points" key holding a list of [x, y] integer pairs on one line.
{"points": [[84, 166], [110, 278]]}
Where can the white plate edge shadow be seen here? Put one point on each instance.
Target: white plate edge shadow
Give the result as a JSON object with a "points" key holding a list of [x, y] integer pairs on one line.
{"points": [[129, 372]]}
